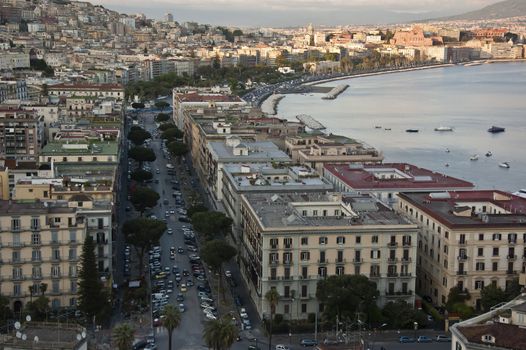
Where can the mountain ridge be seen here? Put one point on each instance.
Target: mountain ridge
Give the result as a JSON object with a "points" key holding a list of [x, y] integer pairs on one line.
{"points": [[502, 9]]}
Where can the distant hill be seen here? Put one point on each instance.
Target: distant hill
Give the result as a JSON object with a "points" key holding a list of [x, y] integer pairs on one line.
{"points": [[502, 9]]}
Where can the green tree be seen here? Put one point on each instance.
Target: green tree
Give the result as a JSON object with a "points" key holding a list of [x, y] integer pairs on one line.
{"points": [[513, 289], [195, 209], [282, 60], [216, 62], [166, 126], [39, 308], [237, 32], [142, 154], [172, 134], [220, 334], [491, 296], [123, 336], [215, 253], [91, 296], [162, 117], [343, 296], [141, 175], [401, 315], [177, 149], [143, 233], [137, 105], [144, 197], [272, 298], [462, 310], [171, 320], [138, 135], [5, 310], [211, 223], [161, 105], [456, 296]]}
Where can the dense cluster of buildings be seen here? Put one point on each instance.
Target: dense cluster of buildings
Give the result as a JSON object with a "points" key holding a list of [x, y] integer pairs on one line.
{"points": [[59, 171], [307, 205]]}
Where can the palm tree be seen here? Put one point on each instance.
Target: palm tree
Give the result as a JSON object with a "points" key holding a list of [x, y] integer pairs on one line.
{"points": [[272, 296], [171, 320], [220, 334], [123, 336]]}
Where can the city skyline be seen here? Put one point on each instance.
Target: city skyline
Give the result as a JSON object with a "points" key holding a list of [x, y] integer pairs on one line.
{"points": [[297, 12]]}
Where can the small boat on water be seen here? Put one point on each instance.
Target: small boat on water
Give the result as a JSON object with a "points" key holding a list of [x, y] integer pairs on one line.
{"points": [[447, 150], [447, 165], [387, 129], [474, 157], [505, 165], [377, 127], [444, 128], [411, 130], [496, 129], [489, 154]]}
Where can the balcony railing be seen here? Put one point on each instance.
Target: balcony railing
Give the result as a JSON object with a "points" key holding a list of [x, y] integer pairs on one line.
{"points": [[322, 261], [392, 244], [273, 262], [461, 273], [462, 257], [406, 260], [512, 257], [392, 260], [406, 244], [392, 274], [274, 247], [406, 274], [340, 261], [464, 242], [511, 272], [400, 293], [512, 241], [357, 261]]}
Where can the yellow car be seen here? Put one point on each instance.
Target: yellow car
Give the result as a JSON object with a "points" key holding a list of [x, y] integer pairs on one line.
{"points": [[183, 288]]}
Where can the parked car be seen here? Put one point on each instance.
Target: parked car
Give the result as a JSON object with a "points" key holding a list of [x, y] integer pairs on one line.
{"points": [[406, 339], [282, 347], [443, 339], [308, 342], [424, 339]]}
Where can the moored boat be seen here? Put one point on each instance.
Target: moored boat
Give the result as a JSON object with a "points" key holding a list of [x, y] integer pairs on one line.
{"points": [[411, 130], [496, 129], [444, 128], [489, 154], [505, 165], [474, 157]]}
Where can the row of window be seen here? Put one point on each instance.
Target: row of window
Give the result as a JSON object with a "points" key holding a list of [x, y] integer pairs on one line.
{"points": [[306, 255], [287, 242], [16, 222], [374, 271], [55, 289], [36, 255], [36, 272]]}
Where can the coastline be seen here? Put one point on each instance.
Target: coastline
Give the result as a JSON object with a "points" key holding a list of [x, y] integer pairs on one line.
{"points": [[275, 103], [270, 105]]}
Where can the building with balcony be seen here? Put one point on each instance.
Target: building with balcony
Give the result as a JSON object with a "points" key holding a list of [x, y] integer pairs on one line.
{"points": [[384, 181], [316, 150], [239, 179], [290, 241], [40, 243], [468, 239], [21, 134], [96, 90]]}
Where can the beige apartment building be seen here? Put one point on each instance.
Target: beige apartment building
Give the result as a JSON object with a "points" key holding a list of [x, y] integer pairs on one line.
{"points": [[290, 241], [41, 243], [469, 239], [316, 150]]}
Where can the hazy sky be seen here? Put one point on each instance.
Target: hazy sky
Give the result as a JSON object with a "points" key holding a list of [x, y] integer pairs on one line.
{"points": [[295, 12]]}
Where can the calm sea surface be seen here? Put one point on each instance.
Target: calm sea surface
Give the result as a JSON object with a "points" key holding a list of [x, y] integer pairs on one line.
{"points": [[469, 99]]}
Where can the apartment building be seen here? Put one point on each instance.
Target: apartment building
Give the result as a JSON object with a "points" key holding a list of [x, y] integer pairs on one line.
{"points": [[236, 151], [316, 150], [41, 243], [239, 179], [385, 181], [181, 101], [469, 239], [77, 89], [290, 241], [80, 152], [21, 134]]}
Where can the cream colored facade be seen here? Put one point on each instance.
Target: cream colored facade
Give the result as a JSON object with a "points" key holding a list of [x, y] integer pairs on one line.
{"points": [[40, 244], [291, 241], [459, 248]]}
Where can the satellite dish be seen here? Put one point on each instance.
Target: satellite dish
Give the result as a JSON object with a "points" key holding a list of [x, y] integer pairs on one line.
{"points": [[36, 339], [24, 337], [28, 318], [79, 337], [17, 325], [18, 335]]}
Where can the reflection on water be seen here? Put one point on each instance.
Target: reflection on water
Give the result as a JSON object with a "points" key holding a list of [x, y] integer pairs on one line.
{"points": [[469, 99]]}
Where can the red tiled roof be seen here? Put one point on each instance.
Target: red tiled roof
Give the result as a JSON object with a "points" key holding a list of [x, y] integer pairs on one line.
{"points": [[361, 179], [506, 336]]}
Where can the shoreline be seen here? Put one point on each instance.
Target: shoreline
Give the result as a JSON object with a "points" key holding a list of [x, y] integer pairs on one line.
{"points": [[411, 69]]}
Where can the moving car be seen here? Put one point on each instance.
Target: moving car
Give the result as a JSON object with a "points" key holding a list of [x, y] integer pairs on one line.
{"points": [[308, 342], [443, 339], [406, 339], [424, 339]]}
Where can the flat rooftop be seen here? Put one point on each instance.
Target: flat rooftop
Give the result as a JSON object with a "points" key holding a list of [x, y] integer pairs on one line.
{"points": [[202, 97], [277, 177], [454, 209], [282, 210], [257, 151], [394, 176], [81, 148]]}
